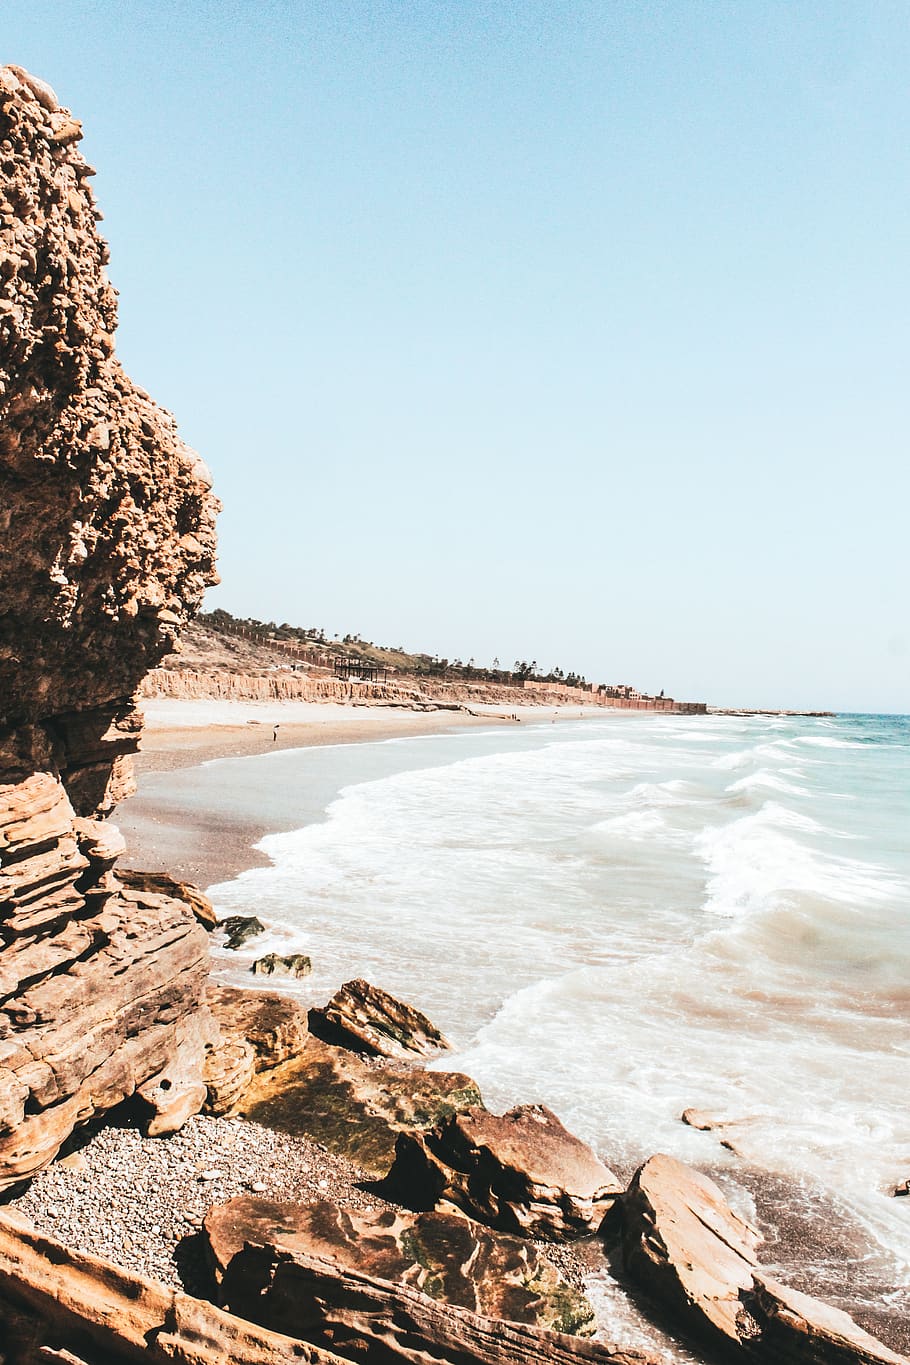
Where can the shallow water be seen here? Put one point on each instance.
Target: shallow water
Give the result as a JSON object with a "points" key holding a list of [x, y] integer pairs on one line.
{"points": [[627, 917]]}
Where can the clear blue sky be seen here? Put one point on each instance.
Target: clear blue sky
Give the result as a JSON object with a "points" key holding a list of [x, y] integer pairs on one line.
{"points": [[571, 331]]}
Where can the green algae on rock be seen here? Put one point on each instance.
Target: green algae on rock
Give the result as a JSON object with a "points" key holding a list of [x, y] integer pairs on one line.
{"points": [[446, 1257], [352, 1106]]}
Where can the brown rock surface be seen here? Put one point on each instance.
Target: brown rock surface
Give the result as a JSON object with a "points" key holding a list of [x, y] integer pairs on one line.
{"points": [[522, 1172], [258, 1031], [352, 1105], [58, 1304], [329, 1301], [107, 518], [443, 1255], [367, 1019], [106, 546], [275, 1025], [683, 1243], [166, 885]]}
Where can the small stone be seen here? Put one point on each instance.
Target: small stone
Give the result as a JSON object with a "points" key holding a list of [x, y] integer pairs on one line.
{"points": [[210, 1175], [258, 1187], [75, 1161]]}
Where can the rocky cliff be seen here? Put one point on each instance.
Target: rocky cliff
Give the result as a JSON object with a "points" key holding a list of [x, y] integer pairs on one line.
{"points": [[107, 543]]}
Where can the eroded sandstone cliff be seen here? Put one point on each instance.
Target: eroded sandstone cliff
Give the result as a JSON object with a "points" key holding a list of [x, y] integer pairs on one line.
{"points": [[107, 543]]}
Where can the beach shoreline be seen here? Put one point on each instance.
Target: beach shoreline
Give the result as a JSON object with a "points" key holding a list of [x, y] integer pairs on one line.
{"points": [[188, 733]]}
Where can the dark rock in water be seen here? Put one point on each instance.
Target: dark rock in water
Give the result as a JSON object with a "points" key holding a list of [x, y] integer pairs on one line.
{"points": [[367, 1019], [900, 1190], [297, 964], [373, 1290], [166, 885], [354, 1106], [445, 1256], [687, 1247], [275, 1025], [522, 1172], [239, 929]]}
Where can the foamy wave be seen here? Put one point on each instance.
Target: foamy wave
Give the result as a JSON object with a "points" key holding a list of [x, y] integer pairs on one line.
{"points": [[637, 825], [763, 780], [828, 742], [729, 762], [757, 863]]}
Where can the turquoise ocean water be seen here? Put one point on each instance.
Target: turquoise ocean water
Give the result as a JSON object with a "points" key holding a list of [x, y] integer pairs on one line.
{"points": [[627, 917]]}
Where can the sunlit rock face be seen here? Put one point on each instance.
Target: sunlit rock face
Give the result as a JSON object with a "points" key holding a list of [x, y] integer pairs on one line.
{"points": [[107, 543]]}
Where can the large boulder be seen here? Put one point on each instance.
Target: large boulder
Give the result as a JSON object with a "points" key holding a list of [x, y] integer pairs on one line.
{"points": [[368, 1019], [522, 1172], [695, 1255], [106, 547], [353, 1106], [447, 1257]]}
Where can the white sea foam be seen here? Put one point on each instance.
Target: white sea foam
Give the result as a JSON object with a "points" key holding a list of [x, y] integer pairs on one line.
{"points": [[757, 863], [767, 781], [828, 742], [739, 759]]}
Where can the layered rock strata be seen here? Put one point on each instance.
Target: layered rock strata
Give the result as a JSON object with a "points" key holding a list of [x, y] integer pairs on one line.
{"points": [[683, 1243], [60, 1305], [448, 1258], [106, 546]]}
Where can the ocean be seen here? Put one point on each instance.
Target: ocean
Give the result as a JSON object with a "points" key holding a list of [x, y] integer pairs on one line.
{"points": [[627, 917]]}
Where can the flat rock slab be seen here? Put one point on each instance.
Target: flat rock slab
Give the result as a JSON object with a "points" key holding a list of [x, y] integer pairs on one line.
{"points": [[352, 1106], [367, 1019], [686, 1246], [523, 1172], [445, 1256]]}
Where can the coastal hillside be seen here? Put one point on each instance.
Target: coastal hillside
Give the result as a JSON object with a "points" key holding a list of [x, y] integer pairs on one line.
{"points": [[222, 657]]}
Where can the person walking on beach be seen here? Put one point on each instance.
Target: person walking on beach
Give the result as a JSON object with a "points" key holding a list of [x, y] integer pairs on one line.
{"points": [[275, 729]]}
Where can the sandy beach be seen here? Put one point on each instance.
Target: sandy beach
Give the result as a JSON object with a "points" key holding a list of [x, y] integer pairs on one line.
{"points": [[181, 734]]}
